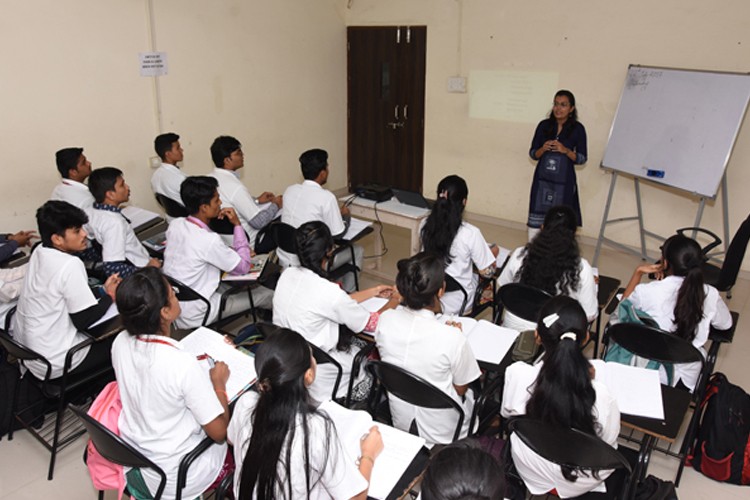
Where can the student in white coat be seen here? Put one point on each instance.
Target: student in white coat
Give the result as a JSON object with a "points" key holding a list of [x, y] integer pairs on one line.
{"points": [[560, 391], [74, 168], [170, 402], [168, 178], [283, 446], [679, 301], [552, 262], [307, 302], [412, 338], [460, 244]]}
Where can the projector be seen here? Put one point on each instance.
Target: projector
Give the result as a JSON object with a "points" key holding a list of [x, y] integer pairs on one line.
{"points": [[374, 192]]}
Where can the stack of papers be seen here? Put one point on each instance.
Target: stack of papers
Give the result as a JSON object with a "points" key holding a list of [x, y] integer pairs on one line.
{"points": [[637, 390], [242, 373], [399, 447], [356, 226], [488, 341]]}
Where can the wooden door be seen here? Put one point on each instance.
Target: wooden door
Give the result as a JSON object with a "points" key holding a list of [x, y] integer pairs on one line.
{"points": [[386, 87]]}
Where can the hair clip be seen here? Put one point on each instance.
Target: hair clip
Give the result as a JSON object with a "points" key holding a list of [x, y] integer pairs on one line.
{"points": [[443, 194], [550, 320], [568, 335], [264, 386]]}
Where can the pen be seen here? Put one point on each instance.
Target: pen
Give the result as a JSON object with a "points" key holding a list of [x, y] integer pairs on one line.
{"points": [[208, 358]]}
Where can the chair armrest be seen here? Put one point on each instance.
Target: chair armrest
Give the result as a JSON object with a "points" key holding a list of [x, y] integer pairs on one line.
{"points": [[89, 340], [187, 460], [359, 358], [489, 390], [357, 237]]}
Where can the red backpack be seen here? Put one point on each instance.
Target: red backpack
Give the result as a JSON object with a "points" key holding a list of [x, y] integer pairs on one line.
{"points": [[721, 449], [106, 409]]}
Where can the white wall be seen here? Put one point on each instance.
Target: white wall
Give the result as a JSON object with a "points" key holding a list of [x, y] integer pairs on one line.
{"points": [[273, 74], [590, 45]]}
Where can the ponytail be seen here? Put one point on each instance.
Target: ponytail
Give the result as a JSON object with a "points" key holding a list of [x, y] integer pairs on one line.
{"points": [[684, 258], [445, 218], [314, 242]]}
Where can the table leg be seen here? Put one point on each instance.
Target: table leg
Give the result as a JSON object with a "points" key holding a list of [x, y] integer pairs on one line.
{"points": [[415, 243]]}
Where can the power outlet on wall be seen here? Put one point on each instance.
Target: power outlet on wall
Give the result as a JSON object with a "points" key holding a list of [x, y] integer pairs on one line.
{"points": [[457, 84], [154, 162]]}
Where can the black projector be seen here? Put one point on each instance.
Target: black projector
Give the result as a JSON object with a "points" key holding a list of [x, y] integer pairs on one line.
{"points": [[374, 192]]}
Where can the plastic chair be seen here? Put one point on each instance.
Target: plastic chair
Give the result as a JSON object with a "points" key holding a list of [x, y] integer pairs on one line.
{"points": [[113, 448], [723, 278], [414, 390], [570, 447], [57, 389], [520, 300], [172, 207], [186, 294]]}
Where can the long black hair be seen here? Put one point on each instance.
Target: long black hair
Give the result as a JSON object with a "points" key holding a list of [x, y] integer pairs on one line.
{"points": [[140, 298], [553, 257], [563, 395], [445, 219], [419, 280], [570, 123], [282, 411], [314, 242], [684, 258], [463, 471]]}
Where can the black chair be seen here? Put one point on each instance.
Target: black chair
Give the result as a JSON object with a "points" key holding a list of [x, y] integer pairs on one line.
{"points": [[451, 285], [57, 434], [658, 345], [571, 447], [222, 226], [171, 207], [723, 278], [478, 305], [186, 294], [113, 448], [521, 300], [322, 357], [360, 359], [412, 389]]}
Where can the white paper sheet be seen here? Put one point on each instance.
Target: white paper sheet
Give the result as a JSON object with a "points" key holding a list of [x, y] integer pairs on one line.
{"points": [[488, 341], [241, 366], [373, 304], [111, 313], [356, 226], [637, 390]]}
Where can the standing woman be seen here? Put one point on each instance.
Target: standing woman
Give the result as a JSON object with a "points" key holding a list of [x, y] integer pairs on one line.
{"points": [[559, 143], [460, 244]]}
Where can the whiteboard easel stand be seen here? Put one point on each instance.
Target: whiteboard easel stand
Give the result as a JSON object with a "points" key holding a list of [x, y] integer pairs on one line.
{"points": [[639, 217]]}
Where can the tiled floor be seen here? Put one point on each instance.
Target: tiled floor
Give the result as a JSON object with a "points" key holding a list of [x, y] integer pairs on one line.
{"points": [[23, 462]]}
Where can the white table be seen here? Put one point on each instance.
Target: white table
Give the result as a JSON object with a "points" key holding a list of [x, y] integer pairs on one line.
{"points": [[389, 212]]}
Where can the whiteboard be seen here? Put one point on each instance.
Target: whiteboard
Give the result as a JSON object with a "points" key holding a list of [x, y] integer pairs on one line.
{"points": [[677, 127]]}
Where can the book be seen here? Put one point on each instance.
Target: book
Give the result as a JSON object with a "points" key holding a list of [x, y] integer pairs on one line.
{"points": [[157, 242], [637, 390], [399, 447], [489, 342], [242, 373], [257, 263]]}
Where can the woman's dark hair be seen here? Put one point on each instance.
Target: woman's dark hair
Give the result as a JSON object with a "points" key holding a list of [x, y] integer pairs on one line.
{"points": [[463, 471], [56, 217], [552, 258], [563, 395], [314, 242], [570, 123], [140, 298], [684, 258], [283, 410], [419, 279], [445, 219]]}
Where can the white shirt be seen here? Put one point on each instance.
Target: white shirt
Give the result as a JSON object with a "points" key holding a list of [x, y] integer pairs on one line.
{"points": [[117, 238], [234, 194], [440, 354], [541, 475], [167, 180], [11, 283], [167, 397], [341, 478], [585, 294], [307, 202], [196, 257], [468, 249], [315, 307], [658, 299], [75, 193], [55, 287]]}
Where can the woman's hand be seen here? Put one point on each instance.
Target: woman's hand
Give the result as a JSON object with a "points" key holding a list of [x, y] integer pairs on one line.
{"points": [[657, 269], [110, 286], [372, 443], [219, 375], [558, 147], [383, 291]]}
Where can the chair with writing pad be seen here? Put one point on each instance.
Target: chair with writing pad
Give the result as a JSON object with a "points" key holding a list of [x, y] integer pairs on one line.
{"points": [[522, 301], [172, 207], [186, 294]]}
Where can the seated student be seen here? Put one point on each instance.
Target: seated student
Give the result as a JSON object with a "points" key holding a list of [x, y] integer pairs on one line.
{"points": [[283, 446], [9, 243], [309, 201], [561, 391], [122, 252], [169, 402], [411, 337], [307, 302], [74, 168], [56, 301], [228, 157], [197, 256], [458, 243], [552, 262], [679, 301], [463, 471], [168, 177], [11, 283]]}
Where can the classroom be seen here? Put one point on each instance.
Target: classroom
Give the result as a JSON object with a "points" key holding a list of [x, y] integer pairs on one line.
{"points": [[273, 74]]}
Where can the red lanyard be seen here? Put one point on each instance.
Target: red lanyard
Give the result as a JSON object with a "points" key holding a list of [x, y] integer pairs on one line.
{"points": [[156, 341]]}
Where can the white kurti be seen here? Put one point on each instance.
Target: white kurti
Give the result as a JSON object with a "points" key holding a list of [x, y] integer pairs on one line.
{"points": [[541, 475], [418, 342], [167, 397], [658, 299]]}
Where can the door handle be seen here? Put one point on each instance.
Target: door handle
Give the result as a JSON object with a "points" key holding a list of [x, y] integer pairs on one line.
{"points": [[395, 125]]}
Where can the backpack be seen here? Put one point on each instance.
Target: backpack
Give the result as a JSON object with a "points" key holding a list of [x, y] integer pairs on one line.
{"points": [[106, 409], [721, 449]]}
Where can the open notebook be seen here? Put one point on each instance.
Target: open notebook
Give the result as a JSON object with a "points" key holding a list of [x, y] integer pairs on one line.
{"points": [[241, 366], [257, 264], [488, 341], [399, 447]]}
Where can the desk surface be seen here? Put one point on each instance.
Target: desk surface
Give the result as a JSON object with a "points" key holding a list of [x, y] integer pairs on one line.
{"points": [[393, 206]]}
